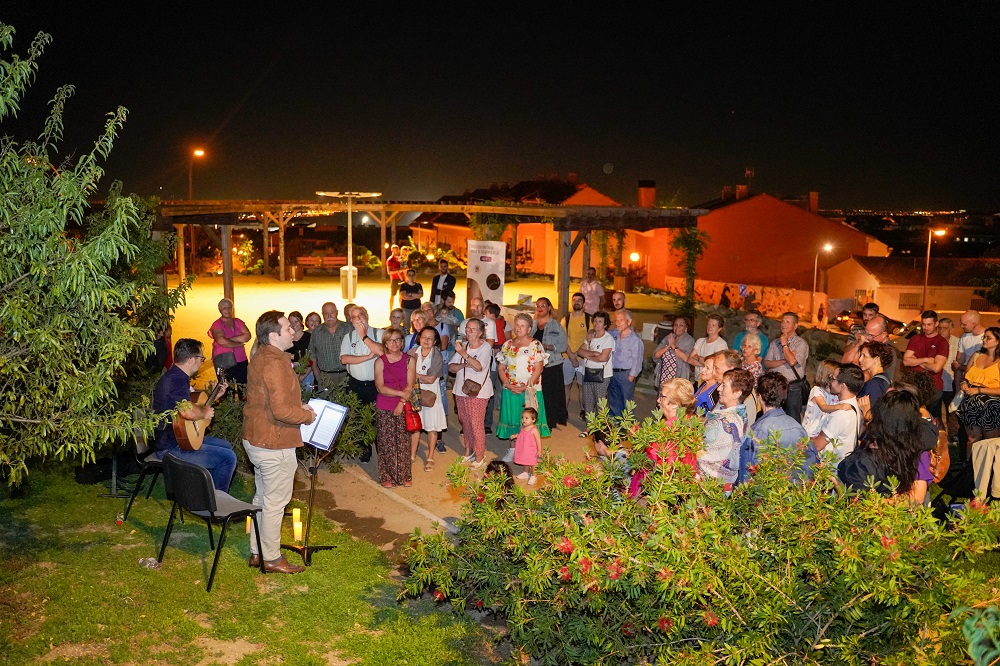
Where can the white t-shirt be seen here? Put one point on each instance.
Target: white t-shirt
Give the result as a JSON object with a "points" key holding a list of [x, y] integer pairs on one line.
{"points": [[841, 430], [484, 354], [355, 346], [489, 328], [969, 344], [599, 345], [704, 349], [814, 418]]}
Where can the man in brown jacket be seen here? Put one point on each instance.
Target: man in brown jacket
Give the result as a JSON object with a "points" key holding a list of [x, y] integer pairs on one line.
{"points": [[271, 419]]}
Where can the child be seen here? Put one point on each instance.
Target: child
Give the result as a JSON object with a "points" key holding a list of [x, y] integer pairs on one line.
{"points": [[821, 400], [528, 445]]}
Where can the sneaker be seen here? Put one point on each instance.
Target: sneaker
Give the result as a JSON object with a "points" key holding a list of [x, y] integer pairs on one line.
{"points": [[523, 476], [477, 465], [440, 447], [509, 456], [582, 435], [532, 480], [469, 458]]}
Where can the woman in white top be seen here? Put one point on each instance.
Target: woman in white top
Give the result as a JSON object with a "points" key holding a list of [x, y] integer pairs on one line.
{"points": [[429, 371], [596, 352], [472, 361], [712, 342]]}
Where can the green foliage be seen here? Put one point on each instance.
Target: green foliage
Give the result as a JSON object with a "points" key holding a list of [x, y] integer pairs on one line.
{"points": [[691, 243], [619, 251], [600, 240], [358, 429], [78, 297], [421, 256], [366, 261], [490, 226], [780, 572], [982, 630], [991, 282]]}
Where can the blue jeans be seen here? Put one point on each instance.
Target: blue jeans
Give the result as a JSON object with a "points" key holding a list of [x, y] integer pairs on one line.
{"points": [[216, 455], [620, 390]]}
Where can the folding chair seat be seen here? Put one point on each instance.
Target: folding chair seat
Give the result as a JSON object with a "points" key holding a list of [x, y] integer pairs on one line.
{"points": [[190, 487]]}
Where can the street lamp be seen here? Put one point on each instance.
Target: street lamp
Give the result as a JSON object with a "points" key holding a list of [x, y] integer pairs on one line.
{"points": [[812, 299], [927, 264], [348, 273], [198, 152]]}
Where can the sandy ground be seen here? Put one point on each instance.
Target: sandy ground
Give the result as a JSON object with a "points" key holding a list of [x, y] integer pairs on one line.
{"points": [[353, 498]]}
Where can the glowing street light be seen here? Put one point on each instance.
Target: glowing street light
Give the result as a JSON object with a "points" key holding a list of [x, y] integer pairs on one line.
{"points": [[198, 152], [927, 264], [812, 299], [348, 273]]}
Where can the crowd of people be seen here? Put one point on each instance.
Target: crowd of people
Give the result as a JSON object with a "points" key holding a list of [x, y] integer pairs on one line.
{"points": [[869, 413]]}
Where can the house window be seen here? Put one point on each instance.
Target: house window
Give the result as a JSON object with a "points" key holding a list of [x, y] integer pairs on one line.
{"points": [[909, 301]]}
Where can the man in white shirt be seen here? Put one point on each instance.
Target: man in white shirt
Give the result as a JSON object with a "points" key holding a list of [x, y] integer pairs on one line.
{"points": [[358, 352], [593, 292], [840, 432]]}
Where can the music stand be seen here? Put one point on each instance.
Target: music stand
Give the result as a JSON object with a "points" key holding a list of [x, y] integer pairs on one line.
{"points": [[330, 418]]}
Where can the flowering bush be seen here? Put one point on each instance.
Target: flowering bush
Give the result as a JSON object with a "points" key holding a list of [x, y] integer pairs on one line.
{"points": [[780, 572]]}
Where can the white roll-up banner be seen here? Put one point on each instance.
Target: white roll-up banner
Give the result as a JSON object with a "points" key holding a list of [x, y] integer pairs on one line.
{"points": [[487, 263]]}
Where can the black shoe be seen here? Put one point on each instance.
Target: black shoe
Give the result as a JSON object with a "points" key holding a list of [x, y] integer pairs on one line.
{"points": [[583, 415], [489, 431], [440, 448], [366, 454]]}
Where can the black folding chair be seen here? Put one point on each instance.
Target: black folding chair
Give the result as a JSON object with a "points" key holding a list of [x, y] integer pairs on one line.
{"points": [[190, 487], [149, 464]]}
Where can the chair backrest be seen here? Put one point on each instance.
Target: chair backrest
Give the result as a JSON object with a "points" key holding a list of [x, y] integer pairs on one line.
{"points": [[143, 442], [190, 485]]}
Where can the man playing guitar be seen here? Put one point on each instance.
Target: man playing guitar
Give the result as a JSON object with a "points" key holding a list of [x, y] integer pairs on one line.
{"points": [[174, 386]]}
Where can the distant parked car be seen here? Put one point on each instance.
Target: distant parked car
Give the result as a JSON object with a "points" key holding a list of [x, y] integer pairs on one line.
{"points": [[846, 319]]}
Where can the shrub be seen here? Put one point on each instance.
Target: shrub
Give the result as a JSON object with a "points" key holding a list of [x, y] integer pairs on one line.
{"points": [[780, 572]]}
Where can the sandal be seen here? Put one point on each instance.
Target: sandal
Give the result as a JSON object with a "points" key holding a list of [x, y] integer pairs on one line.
{"points": [[407, 484], [429, 465], [387, 484]]}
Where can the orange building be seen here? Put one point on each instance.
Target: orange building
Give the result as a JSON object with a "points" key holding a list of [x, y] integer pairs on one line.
{"points": [[537, 240], [759, 239]]}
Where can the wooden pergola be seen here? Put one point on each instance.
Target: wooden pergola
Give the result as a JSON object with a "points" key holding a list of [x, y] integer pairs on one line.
{"points": [[572, 223]]}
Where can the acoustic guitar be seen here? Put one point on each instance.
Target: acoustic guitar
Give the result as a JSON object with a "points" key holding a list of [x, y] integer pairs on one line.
{"points": [[190, 433]]}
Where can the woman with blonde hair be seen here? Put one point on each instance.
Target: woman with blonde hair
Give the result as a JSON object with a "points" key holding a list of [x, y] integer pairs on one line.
{"points": [[519, 367], [675, 394], [750, 347]]}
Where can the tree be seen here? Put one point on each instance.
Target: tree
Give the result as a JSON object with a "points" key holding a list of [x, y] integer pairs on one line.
{"points": [[691, 243], [79, 301]]}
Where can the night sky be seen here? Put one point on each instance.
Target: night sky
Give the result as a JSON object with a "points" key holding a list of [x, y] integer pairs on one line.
{"points": [[874, 109]]}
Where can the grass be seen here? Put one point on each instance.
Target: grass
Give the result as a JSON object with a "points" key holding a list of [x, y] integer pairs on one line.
{"points": [[71, 590]]}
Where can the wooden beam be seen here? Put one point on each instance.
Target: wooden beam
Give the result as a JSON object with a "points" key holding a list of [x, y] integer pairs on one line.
{"points": [[227, 262], [513, 252], [210, 232], [181, 263], [586, 255], [564, 253]]}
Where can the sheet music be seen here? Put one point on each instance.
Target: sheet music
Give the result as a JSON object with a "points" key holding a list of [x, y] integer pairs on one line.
{"points": [[326, 426]]}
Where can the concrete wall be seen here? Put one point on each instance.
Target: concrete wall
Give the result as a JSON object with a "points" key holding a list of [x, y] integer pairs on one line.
{"points": [[772, 301]]}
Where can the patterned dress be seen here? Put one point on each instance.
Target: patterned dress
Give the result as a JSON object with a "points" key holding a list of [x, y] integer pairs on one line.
{"points": [[518, 362], [391, 438]]}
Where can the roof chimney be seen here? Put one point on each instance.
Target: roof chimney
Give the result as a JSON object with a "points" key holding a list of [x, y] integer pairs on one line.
{"points": [[728, 193], [742, 192], [814, 202], [647, 193]]}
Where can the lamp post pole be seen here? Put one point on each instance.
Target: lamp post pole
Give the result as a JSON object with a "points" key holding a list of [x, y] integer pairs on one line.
{"points": [[927, 265], [348, 274], [198, 152], [812, 296]]}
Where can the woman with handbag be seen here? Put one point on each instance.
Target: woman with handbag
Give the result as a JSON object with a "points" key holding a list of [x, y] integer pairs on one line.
{"points": [[519, 367], [473, 389], [597, 371], [395, 376], [430, 370]]}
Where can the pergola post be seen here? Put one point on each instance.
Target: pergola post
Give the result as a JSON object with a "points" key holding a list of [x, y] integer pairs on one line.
{"points": [[265, 250], [227, 261], [563, 255], [586, 254], [513, 252], [181, 259], [282, 222]]}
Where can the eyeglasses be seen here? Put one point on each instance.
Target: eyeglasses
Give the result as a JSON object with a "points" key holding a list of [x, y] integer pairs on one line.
{"points": [[393, 340], [663, 397], [201, 357]]}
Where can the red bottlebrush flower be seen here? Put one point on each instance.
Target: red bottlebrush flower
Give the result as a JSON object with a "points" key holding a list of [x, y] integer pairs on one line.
{"points": [[565, 546], [477, 604], [439, 595], [570, 481], [728, 487], [564, 574], [628, 630], [709, 619], [752, 469], [588, 470], [691, 460], [585, 564], [665, 574], [887, 542], [615, 570], [978, 505], [480, 498], [665, 624]]}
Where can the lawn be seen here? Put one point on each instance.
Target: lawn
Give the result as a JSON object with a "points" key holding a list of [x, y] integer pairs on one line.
{"points": [[71, 590]]}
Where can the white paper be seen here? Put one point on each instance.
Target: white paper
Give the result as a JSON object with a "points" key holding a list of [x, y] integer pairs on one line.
{"points": [[325, 427]]}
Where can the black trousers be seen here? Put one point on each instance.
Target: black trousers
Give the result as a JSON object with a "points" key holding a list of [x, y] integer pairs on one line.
{"points": [[795, 401], [555, 395]]}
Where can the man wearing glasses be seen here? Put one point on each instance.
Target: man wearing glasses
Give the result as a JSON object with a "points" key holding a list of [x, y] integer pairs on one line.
{"points": [[842, 428], [216, 455], [751, 324], [876, 330]]}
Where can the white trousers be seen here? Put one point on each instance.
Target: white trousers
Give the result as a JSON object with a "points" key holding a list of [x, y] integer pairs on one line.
{"points": [[274, 479], [986, 459]]}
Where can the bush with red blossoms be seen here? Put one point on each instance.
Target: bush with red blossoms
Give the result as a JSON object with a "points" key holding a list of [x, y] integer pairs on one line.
{"points": [[779, 572]]}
